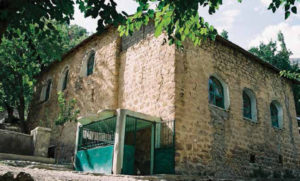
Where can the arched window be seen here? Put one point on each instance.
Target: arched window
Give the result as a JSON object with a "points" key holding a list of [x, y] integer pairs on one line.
{"points": [[65, 79], [249, 105], [216, 92], [247, 112], [90, 64], [46, 90], [276, 114]]}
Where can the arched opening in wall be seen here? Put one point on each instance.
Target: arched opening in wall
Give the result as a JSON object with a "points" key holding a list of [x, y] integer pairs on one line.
{"points": [[63, 80], [249, 105], [276, 114], [88, 64], [46, 91], [218, 92]]}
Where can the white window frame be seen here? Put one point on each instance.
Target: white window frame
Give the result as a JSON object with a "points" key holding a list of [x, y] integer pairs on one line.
{"points": [[280, 114], [252, 97], [225, 90]]}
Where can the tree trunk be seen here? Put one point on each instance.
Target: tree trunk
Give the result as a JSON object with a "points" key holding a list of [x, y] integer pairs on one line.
{"points": [[10, 112], [21, 106], [4, 4], [3, 26], [21, 111]]}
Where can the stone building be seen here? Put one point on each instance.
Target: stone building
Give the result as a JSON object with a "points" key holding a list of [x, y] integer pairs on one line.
{"points": [[234, 115]]}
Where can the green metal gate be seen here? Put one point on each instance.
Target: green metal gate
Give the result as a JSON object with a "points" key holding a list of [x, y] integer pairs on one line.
{"points": [[95, 146], [148, 146]]}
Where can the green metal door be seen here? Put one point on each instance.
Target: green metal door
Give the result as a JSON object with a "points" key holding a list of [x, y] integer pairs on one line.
{"points": [[164, 161], [128, 160], [164, 153]]}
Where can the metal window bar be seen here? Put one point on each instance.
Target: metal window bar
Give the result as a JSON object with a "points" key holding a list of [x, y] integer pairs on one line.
{"points": [[167, 134], [99, 133], [135, 124]]}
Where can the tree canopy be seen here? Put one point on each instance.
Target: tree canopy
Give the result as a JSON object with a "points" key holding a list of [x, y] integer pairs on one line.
{"points": [[179, 18], [24, 54]]}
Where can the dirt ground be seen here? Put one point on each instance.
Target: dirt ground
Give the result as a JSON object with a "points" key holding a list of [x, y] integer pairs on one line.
{"points": [[43, 173], [53, 175]]}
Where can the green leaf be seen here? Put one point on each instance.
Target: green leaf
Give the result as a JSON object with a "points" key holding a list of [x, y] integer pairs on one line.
{"points": [[294, 9], [158, 30], [287, 14]]}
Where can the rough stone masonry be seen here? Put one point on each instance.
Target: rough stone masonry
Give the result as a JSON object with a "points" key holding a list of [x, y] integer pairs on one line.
{"points": [[142, 73]]}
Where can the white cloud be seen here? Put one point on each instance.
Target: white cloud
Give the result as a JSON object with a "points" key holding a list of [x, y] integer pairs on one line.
{"points": [[256, 9], [91, 24], [226, 19], [266, 2], [88, 23], [291, 34], [128, 6]]}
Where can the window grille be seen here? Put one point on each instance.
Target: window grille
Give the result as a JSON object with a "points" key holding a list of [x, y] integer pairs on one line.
{"points": [[99, 133]]}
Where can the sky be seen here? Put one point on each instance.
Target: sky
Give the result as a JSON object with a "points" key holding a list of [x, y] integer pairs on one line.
{"points": [[248, 23]]}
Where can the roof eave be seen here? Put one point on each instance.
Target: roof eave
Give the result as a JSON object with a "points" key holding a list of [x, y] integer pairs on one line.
{"points": [[250, 55]]}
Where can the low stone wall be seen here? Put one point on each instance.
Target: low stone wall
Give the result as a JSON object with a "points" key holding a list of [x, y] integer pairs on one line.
{"points": [[15, 143], [36, 144]]}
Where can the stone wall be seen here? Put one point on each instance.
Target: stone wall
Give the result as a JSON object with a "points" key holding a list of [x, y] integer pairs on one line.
{"points": [[219, 142], [94, 92], [147, 80], [15, 143]]}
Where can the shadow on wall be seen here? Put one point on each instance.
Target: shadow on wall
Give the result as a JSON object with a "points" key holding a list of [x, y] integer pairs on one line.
{"points": [[16, 143], [36, 144]]}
